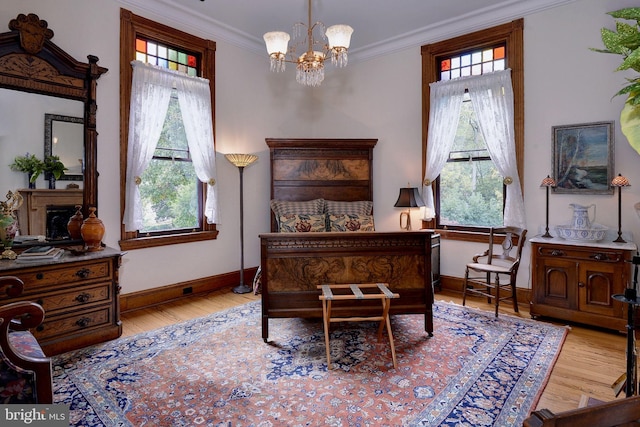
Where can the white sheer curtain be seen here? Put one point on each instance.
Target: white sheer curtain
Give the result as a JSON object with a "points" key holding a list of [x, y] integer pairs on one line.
{"points": [[492, 99], [149, 87], [152, 86], [444, 114], [194, 96]]}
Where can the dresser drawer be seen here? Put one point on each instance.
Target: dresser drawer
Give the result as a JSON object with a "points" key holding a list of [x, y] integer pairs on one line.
{"points": [[75, 322], [569, 252], [65, 274], [88, 295]]}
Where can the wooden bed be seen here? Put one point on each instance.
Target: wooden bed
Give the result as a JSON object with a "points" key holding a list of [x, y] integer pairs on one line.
{"points": [[293, 264]]}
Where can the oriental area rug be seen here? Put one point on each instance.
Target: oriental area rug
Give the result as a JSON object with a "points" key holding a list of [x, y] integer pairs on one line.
{"points": [[476, 370]]}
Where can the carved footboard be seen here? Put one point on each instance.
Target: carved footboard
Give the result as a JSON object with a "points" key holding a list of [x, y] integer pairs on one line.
{"points": [[293, 264]]}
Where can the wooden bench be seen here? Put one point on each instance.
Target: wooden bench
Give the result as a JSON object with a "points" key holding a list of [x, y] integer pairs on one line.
{"points": [[382, 293]]}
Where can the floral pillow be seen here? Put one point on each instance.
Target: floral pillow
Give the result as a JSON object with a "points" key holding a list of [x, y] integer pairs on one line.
{"points": [[351, 222], [302, 223]]}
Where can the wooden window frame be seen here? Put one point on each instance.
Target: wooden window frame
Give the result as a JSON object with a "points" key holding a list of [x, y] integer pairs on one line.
{"points": [[132, 26], [511, 34]]}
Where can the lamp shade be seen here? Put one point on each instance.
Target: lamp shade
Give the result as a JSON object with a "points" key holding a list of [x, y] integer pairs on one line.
{"points": [[620, 181], [241, 160], [548, 182], [409, 197], [339, 36], [277, 42]]}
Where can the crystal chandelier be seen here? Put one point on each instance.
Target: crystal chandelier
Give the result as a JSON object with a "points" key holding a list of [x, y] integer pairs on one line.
{"points": [[309, 65]]}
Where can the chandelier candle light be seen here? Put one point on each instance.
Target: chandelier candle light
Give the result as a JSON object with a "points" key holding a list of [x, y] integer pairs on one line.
{"points": [[620, 181], [241, 161], [309, 65], [548, 182]]}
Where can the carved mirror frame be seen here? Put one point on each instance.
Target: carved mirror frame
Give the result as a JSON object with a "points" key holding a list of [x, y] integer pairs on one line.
{"points": [[31, 62]]}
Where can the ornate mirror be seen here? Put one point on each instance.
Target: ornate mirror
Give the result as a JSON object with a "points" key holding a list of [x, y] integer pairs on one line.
{"points": [[31, 65]]}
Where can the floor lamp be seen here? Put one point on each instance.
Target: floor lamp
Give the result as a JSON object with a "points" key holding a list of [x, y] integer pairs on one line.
{"points": [[241, 161], [548, 182]]}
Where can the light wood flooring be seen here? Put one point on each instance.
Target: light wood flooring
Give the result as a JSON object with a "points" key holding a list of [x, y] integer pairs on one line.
{"points": [[590, 360]]}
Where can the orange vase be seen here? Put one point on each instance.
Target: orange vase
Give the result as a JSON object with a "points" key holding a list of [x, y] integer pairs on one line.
{"points": [[92, 231], [75, 223]]}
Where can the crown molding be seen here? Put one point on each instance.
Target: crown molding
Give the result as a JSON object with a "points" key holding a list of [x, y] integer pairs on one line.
{"points": [[170, 13]]}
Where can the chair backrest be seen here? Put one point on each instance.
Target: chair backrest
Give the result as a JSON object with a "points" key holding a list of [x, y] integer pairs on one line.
{"points": [[505, 246], [24, 369]]}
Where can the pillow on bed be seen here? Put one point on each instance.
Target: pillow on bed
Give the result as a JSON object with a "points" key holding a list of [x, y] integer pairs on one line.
{"points": [[360, 207], [285, 207], [350, 222], [304, 223]]}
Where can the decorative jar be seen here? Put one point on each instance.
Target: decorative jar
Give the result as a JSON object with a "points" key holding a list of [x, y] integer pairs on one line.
{"points": [[75, 223], [92, 231]]}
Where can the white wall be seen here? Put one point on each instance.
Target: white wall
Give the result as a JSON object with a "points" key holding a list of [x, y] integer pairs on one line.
{"points": [[565, 83]]}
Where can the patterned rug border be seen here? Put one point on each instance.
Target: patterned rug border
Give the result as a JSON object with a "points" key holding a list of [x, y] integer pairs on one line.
{"points": [[437, 413]]}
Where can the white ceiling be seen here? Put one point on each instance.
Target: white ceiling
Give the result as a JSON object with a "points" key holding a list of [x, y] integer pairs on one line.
{"points": [[380, 26]]}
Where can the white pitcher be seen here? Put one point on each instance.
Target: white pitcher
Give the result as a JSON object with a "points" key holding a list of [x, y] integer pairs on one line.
{"points": [[581, 220]]}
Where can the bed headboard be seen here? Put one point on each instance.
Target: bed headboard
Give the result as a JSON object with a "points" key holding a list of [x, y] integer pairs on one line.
{"points": [[332, 169]]}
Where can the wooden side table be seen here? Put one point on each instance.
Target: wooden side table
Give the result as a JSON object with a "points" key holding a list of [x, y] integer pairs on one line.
{"points": [[382, 293]]}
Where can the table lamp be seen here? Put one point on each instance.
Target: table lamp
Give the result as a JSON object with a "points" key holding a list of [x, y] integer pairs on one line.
{"points": [[409, 197]]}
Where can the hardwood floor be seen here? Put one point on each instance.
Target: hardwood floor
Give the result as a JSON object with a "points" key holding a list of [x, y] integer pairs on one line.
{"points": [[590, 360]]}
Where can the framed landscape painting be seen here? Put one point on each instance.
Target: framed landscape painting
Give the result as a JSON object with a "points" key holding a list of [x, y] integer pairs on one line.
{"points": [[583, 158]]}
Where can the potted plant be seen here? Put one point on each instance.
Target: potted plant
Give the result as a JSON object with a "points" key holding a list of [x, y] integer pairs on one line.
{"points": [[625, 41], [53, 169], [29, 164], [53, 166]]}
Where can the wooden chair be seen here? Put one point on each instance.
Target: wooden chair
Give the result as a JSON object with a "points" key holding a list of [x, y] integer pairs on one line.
{"points": [[25, 372], [618, 413], [500, 261]]}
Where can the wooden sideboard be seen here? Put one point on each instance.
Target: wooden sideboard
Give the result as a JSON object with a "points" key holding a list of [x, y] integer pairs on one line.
{"points": [[575, 281], [293, 264], [79, 294]]}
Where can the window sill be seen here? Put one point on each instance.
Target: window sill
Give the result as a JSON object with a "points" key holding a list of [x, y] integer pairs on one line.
{"points": [[150, 242], [465, 236]]}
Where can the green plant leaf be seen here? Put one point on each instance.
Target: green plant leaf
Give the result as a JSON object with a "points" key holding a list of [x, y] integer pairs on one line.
{"points": [[613, 42], [632, 61], [632, 13]]}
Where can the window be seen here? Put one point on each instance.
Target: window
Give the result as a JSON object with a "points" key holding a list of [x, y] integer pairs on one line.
{"points": [[470, 188], [172, 196], [469, 193]]}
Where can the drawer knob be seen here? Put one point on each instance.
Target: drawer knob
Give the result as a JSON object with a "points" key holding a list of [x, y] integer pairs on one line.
{"points": [[83, 297], [40, 328], [580, 285], [83, 322], [556, 252], [39, 276], [599, 257], [83, 273]]}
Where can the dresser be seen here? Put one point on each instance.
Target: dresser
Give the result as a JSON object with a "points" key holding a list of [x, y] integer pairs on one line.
{"points": [[79, 294], [575, 281]]}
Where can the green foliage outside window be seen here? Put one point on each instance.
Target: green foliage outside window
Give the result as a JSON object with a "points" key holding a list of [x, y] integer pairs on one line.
{"points": [[471, 189], [169, 188]]}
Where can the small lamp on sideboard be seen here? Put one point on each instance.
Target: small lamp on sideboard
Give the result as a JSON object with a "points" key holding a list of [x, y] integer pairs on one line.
{"points": [[620, 181], [548, 182]]}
